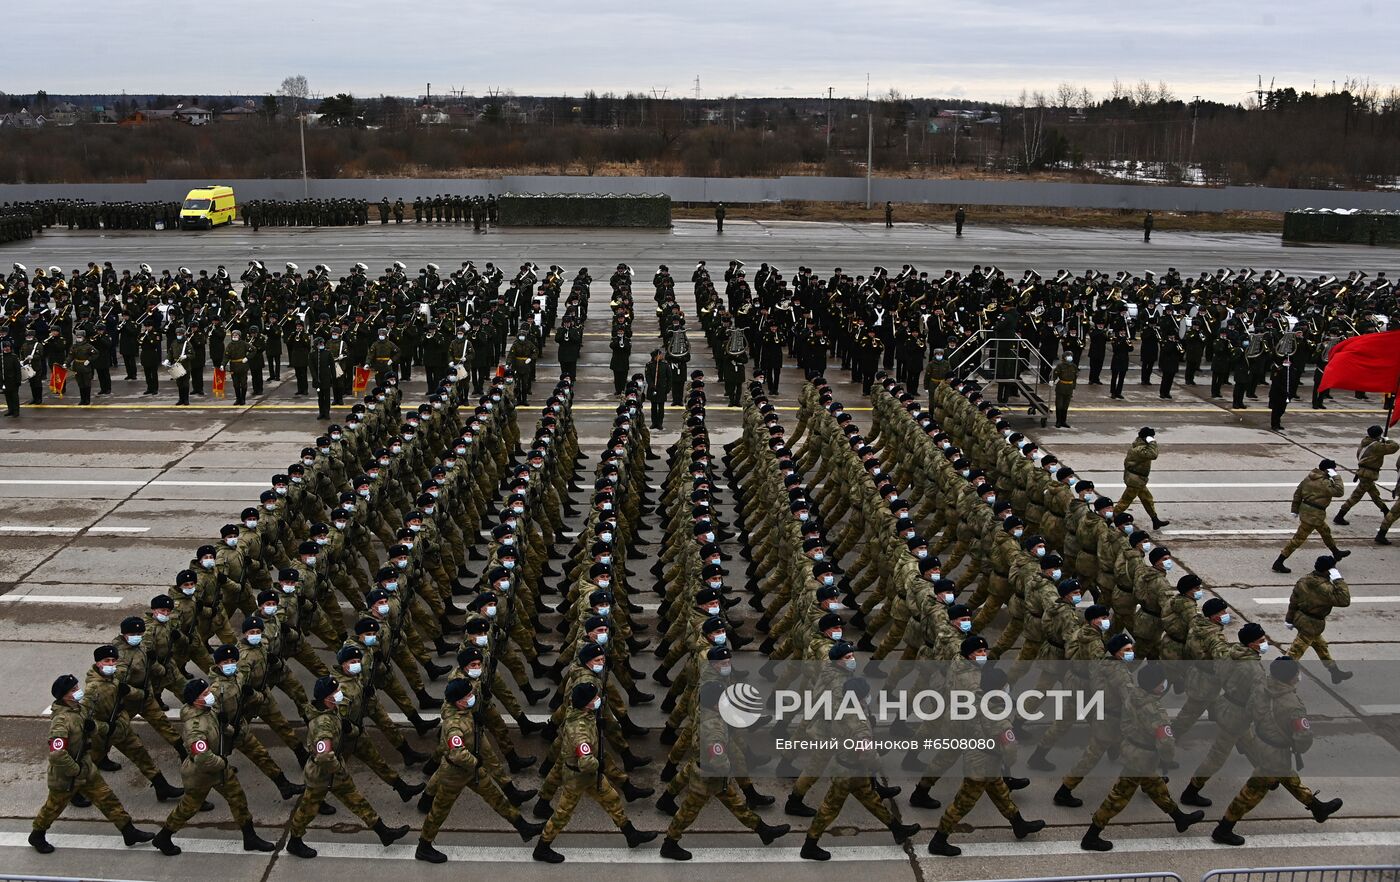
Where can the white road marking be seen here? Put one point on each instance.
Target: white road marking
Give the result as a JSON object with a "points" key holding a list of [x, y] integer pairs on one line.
{"points": [[480, 855], [75, 600], [64, 531], [131, 483], [1211, 485], [1184, 533], [1282, 601], [1380, 710]]}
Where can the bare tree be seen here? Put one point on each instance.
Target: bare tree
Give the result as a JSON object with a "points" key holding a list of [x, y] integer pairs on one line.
{"points": [[1164, 92], [1144, 94], [1085, 99], [1118, 91], [1066, 94], [294, 91]]}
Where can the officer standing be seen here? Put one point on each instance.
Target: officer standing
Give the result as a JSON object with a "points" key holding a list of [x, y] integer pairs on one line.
{"points": [[71, 768], [719, 218], [1147, 223], [236, 363], [1118, 365], [10, 376], [1066, 375], [1137, 465], [959, 218], [889, 215], [658, 380], [81, 359]]}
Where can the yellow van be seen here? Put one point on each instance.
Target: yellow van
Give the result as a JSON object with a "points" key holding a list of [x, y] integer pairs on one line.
{"points": [[207, 207]]}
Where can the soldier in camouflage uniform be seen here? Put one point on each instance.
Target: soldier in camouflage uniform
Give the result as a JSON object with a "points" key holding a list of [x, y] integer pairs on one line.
{"points": [[325, 772], [104, 694], [1370, 458], [1312, 601], [1282, 735], [71, 769], [1137, 465], [206, 768], [579, 746]]}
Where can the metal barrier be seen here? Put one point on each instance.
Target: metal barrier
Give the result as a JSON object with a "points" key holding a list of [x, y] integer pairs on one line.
{"points": [[1163, 876], [1380, 873]]}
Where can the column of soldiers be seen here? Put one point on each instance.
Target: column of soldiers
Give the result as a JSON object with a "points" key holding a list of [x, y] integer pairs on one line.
{"points": [[84, 214], [18, 222], [453, 209], [954, 456], [333, 212]]}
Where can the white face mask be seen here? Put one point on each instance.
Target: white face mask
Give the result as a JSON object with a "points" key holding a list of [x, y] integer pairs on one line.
{"points": [[188, 592], [209, 699], [254, 639], [355, 667], [107, 670], [78, 695], [1104, 624], [207, 563], [338, 697], [1264, 647], [162, 617], [474, 673], [231, 541], [597, 669], [133, 639]]}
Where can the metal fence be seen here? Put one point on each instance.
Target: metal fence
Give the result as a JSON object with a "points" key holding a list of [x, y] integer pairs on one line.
{"points": [[1104, 877], [1381, 873]]}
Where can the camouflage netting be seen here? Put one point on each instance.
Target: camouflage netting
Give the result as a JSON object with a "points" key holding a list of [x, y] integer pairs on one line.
{"points": [[585, 210], [1342, 225]]}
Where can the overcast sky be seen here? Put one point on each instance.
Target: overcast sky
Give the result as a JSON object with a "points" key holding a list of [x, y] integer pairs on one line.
{"points": [[976, 49]]}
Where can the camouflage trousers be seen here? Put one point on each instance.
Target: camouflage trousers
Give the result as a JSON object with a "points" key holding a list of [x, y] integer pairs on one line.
{"points": [[447, 784], [1317, 642], [1256, 788], [1136, 493], [89, 783], [575, 786], [317, 788], [865, 794], [699, 791], [1122, 793], [125, 740], [968, 795], [197, 783], [1306, 530], [1366, 487]]}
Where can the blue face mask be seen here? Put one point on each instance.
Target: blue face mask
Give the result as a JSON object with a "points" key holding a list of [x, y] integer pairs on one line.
{"points": [[965, 625], [229, 669], [1129, 655], [371, 639]]}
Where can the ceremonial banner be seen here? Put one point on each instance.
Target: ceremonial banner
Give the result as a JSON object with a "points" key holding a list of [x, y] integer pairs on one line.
{"points": [[58, 377], [220, 379]]}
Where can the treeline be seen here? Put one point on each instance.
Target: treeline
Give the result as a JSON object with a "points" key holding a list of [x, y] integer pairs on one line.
{"points": [[1347, 138]]}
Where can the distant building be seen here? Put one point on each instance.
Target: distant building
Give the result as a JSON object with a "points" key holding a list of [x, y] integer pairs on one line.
{"points": [[23, 119], [194, 116], [238, 114], [434, 118]]}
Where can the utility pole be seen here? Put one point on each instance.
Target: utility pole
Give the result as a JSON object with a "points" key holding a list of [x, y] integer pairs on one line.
{"points": [[1195, 112], [869, 139], [828, 120], [305, 184]]}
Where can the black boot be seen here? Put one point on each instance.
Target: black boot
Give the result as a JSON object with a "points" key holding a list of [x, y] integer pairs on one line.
{"points": [[672, 850], [420, 725], [425, 803], [636, 837], [301, 754], [518, 763], [813, 852], [667, 804], [40, 842], [389, 835], [797, 808], [1023, 828], [253, 842], [1184, 820], [164, 845], [527, 829], [1321, 811], [1340, 676], [164, 789], [767, 833], [107, 764], [1279, 566], [542, 810], [1065, 797], [921, 798], [1224, 833], [754, 799], [297, 848], [407, 791], [426, 852], [1192, 796], [631, 792], [903, 832], [941, 846], [410, 756], [426, 701], [286, 788], [1340, 518], [131, 836], [1040, 761], [545, 852], [1092, 841], [516, 796]]}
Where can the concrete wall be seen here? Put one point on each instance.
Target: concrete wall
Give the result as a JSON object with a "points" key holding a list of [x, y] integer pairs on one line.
{"points": [[749, 190]]}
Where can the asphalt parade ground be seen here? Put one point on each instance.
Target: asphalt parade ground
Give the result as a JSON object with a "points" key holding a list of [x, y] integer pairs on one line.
{"points": [[103, 504]]}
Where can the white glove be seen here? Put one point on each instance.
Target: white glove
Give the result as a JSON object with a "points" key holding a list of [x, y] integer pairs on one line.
{"points": [[1331, 473], [1334, 574], [1288, 625], [1151, 439]]}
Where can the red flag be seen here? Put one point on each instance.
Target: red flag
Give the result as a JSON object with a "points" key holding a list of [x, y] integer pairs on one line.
{"points": [[1365, 363], [362, 378], [220, 382], [58, 378]]}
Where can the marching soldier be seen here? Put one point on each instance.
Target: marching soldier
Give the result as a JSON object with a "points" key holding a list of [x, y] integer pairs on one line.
{"points": [[1066, 376], [325, 773], [1310, 502], [1137, 465], [1370, 458], [72, 770], [1313, 599]]}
